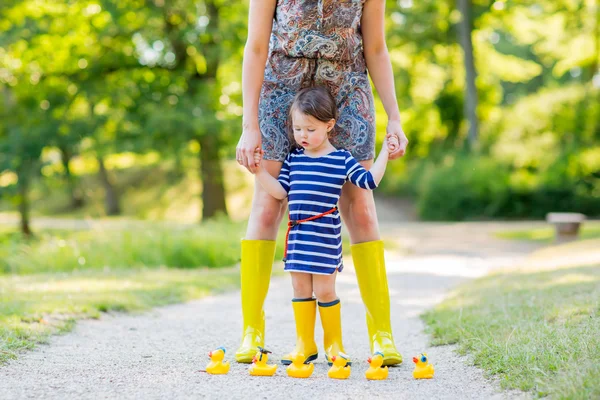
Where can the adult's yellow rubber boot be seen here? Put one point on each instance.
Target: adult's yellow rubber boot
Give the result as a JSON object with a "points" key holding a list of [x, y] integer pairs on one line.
{"points": [[255, 276], [331, 320], [369, 264], [305, 314]]}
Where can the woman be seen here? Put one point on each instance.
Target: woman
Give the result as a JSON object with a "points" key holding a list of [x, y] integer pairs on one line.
{"points": [[293, 44]]}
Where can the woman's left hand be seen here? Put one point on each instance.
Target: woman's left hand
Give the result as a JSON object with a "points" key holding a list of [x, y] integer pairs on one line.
{"points": [[395, 128]]}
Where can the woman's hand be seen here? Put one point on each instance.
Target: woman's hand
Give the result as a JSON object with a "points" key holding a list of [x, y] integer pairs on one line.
{"points": [[250, 141], [395, 128]]}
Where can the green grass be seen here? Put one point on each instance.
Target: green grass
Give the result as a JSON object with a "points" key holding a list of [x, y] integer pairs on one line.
{"points": [[33, 307], [535, 328], [212, 244], [589, 230]]}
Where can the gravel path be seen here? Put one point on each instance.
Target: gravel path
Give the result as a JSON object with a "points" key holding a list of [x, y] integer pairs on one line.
{"points": [[161, 354]]}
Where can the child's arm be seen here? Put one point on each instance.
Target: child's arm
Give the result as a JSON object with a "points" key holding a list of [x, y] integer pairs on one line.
{"points": [[275, 187], [378, 168], [370, 179]]}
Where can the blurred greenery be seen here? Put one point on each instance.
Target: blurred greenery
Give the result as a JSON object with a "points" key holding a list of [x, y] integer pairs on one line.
{"points": [[589, 230], [212, 245], [94, 93]]}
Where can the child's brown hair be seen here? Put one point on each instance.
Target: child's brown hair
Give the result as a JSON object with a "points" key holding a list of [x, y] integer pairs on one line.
{"points": [[315, 101]]}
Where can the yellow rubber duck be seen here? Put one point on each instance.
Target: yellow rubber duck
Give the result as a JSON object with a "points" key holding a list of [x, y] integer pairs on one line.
{"points": [[423, 370], [216, 366], [340, 368], [259, 365], [298, 369], [376, 372]]}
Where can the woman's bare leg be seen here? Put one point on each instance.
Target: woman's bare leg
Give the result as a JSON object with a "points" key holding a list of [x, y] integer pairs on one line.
{"points": [[258, 249], [360, 217], [267, 211], [358, 211]]}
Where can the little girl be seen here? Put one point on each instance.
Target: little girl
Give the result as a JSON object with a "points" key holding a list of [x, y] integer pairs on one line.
{"points": [[311, 178]]}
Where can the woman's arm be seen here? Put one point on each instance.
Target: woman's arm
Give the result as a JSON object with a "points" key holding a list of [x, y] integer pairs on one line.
{"points": [[380, 68], [256, 51]]}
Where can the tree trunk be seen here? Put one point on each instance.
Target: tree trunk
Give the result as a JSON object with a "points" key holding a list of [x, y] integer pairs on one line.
{"points": [[74, 191], [465, 29], [211, 174], [111, 196], [595, 123], [24, 177]]}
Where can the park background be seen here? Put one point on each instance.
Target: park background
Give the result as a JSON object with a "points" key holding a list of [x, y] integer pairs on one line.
{"points": [[119, 121]]}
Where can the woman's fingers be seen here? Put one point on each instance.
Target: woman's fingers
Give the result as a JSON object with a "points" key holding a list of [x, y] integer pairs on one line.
{"points": [[249, 160]]}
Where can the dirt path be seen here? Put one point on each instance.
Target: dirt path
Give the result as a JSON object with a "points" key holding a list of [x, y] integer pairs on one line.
{"points": [[160, 354]]}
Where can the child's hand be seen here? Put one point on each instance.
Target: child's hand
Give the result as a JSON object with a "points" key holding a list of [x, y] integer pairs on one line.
{"points": [[258, 155], [392, 143]]}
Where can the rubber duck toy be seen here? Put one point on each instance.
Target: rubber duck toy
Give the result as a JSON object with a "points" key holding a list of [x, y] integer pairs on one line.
{"points": [[216, 366], [298, 369], [423, 370], [340, 368], [259, 365], [376, 371]]}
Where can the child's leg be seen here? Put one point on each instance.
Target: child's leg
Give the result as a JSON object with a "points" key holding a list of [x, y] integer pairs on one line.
{"points": [[305, 314], [330, 311], [324, 287], [302, 284]]}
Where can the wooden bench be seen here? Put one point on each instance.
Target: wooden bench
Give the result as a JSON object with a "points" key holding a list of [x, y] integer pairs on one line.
{"points": [[566, 224]]}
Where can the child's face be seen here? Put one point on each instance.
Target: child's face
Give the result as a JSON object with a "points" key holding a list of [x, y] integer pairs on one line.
{"points": [[309, 132]]}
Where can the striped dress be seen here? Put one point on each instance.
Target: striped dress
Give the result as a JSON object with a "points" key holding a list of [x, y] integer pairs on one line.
{"points": [[314, 185]]}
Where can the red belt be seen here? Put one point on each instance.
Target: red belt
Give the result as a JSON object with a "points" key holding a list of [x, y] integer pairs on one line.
{"points": [[294, 222]]}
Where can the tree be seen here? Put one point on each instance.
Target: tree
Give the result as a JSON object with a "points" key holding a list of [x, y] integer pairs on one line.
{"points": [[465, 29]]}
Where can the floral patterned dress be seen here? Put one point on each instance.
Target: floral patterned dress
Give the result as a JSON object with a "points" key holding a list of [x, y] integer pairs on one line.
{"points": [[318, 43]]}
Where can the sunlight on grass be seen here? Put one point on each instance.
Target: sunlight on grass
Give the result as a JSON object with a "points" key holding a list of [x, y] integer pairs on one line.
{"points": [[36, 306], [570, 279], [536, 329], [589, 230]]}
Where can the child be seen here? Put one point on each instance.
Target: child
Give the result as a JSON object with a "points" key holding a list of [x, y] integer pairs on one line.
{"points": [[311, 178]]}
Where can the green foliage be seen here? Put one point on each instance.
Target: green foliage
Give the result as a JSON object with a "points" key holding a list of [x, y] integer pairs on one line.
{"points": [[464, 189], [102, 77], [471, 187]]}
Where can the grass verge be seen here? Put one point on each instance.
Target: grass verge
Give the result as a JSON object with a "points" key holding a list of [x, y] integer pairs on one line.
{"points": [[33, 307], [211, 244], [589, 230], [534, 328]]}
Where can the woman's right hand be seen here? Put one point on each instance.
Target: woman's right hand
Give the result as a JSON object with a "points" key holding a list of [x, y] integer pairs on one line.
{"points": [[249, 142]]}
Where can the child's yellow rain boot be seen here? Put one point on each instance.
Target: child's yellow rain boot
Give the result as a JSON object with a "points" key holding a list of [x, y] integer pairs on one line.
{"points": [[332, 328], [369, 264], [305, 314], [255, 276]]}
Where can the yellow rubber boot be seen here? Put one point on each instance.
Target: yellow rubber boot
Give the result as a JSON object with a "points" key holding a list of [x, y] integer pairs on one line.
{"points": [[369, 264], [305, 314], [255, 276], [331, 320]]}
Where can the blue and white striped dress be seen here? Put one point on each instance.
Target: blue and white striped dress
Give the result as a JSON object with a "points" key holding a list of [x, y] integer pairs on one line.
{"points": [[314, 185]]}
